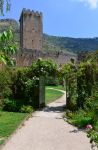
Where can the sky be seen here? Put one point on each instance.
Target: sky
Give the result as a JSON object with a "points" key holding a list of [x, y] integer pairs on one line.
{"points": [[69, 18]]}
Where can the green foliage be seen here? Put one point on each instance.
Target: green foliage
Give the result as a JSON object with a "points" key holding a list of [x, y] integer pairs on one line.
{"points": [[96, 126], [18, 86], [44, 68], [7, 47], [80, 83], [54, 81], [5, 83], [85, 82], [21, 85], [89, 115], [25, 87], [93, 135], [2, 4], [68, 72], [92, 56], [91, 103], [10, 105], [26, 109], [79, 118]]}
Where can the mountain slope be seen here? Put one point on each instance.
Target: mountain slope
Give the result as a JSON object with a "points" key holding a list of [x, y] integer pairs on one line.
{"points": [[6, 23], [73, 44]]}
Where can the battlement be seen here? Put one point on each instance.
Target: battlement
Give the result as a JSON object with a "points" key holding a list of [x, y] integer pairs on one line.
{"points": [[28, 12]]}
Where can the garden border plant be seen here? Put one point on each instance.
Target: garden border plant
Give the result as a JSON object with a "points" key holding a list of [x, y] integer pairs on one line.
{"points": [[24, 85], [82, 97]]}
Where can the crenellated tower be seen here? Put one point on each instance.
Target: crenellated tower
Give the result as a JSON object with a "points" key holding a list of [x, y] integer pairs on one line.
{"points": [[31, 30]]}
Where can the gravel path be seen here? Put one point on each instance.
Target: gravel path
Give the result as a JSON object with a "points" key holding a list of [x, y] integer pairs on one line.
{"points": [[46, 130]]}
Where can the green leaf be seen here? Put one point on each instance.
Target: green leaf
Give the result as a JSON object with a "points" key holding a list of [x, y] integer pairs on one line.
{"points": [[5, 34], [2, 59]]}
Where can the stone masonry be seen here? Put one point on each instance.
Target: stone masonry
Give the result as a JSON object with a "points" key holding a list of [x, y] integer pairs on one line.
{"points": [[31, 30], [31, 39]]}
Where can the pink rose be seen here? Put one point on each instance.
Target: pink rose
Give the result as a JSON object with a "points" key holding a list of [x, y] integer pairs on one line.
{"points": [[89, 126]]}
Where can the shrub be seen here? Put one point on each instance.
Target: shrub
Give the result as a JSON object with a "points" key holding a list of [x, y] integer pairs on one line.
{"points": [[79, 118], [96, 126], [93, 135], [69, 114], [21, 85], [25, 87], [10, 105], [5, 83], [26, 109], [71, 103], [19, 79], [85, 82], [44, 68], [89, 103], [82, 122], [52, 81]]}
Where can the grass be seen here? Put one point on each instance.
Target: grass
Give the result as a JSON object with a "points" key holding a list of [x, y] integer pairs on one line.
{"points": [[59, 87], [79, 118], [9, 121], [51, 95]]}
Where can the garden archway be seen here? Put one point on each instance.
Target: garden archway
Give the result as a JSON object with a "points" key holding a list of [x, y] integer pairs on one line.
{"points": [[42, 69]]}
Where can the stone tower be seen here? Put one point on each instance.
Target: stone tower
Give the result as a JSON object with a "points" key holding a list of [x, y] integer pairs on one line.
{"points": [[31, 30]]}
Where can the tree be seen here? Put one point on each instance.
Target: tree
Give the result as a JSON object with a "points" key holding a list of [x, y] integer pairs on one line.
{"points": [[7, 47], [2, 3]]}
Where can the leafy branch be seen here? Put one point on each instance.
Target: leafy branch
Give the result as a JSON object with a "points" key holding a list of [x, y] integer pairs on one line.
{"points": [[7, 47]]}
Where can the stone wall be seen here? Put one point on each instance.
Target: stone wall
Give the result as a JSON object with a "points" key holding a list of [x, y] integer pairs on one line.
{"points": [[28, 56]]}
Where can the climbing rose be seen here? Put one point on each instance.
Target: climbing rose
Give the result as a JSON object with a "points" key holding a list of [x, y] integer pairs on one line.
{"points": [[89, 126]]}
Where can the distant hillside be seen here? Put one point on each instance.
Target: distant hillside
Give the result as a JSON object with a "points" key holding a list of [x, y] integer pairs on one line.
{"points": [[50, 46], [73, 44], [55, 43], [5, 23]]}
